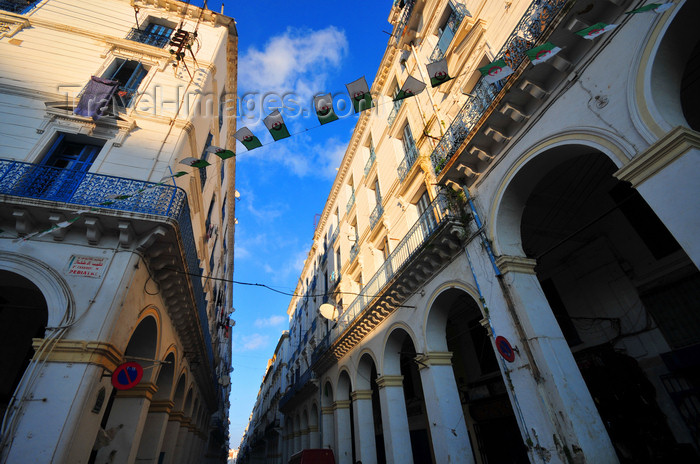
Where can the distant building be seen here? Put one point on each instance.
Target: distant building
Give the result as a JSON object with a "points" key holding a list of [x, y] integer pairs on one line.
{"points": [[513, 265], [101, 246]]}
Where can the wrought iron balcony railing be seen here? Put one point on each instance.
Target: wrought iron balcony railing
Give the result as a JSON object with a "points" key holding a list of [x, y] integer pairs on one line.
{"points": [[334, 236], [407, 162], [351, 202], [435, 215], [376, 214], [353, 252], [394, 112], [459, 12], [16, 6], [84, 189], [370, 161], [405, 17], [148, 37], [526, 34]]}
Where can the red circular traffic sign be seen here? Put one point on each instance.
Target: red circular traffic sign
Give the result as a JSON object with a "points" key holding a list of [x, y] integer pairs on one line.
{"points": [[504, 349], [127, 376]]}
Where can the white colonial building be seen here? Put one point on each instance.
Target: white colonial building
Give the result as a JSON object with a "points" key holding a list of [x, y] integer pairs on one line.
{"points": [[514, 265], [105, 252]]}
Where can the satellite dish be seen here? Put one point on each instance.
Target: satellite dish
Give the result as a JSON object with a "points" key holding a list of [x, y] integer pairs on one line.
{"points": [[328, 311]]}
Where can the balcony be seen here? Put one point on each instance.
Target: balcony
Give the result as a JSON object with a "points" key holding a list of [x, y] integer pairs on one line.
{"points": [[16, 6], [400, 28], [407, 162], [304, 386], [459, 12], [351, 203], [376, 214], [532, 29], [430, 244], [150, 36], [370, 161], [353, 252], [394, 112], [152, 217]]}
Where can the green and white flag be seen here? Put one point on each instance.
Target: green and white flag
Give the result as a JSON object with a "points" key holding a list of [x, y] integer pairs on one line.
{"points": [[655, 7], [410, 88], [359, 95], [168, 177], [494, 72], [595, 30], [246, 137], [220, 152], [323, 104], [438, 72], [194, 162], [275, 124], [542, 53]]}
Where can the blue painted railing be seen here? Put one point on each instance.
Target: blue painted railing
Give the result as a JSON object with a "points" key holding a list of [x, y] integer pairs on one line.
{"points": [[435, 215], [84, 189], [526, 34], [16, 6], [459, 12]]}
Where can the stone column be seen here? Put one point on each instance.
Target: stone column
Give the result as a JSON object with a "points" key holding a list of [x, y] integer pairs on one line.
{"points": [[343, 437], [171, 433], [365, 447], [315, 437], [448, 429], [327, 428], [297, 441], [397, 440], [557, 406], [666, 175], [305, 439], [154, 431], [181, 444], [128, 415]]}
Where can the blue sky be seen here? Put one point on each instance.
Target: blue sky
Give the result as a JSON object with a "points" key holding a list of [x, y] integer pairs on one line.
{"points": [[302, 48]]}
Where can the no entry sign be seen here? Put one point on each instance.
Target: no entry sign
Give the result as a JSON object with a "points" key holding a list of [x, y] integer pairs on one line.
{"points": [[127, 376], [504, 349]]}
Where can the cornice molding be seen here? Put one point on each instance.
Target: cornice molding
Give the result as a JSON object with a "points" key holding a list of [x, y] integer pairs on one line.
{"points": [[516, 264], [100, 354]]}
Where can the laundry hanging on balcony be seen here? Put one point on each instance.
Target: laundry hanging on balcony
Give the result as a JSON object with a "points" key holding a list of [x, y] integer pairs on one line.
{"points": [[655, 7], [323, 104], [96, 97], [360, 96], [275, 124], [246, 137], [542, 53], [595, 30], [410, 88], [438, 73], [495, 71], [220, 152]]}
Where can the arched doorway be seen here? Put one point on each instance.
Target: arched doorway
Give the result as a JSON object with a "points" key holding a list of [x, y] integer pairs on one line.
{"points": [[454, 325], [327, 417], [625, 295], [344, 421], [368, 412], [23, 316]]}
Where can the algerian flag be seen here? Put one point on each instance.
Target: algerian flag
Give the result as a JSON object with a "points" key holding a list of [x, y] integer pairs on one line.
{"points": [[119, 197], [324, 108], [655, 7], [220, 152], [595, 30], [275, 124], [359, 95], [247, 138], [195, 162], [411, 87], [438, 72], [542, 53], [494, 72], [177, 174]]}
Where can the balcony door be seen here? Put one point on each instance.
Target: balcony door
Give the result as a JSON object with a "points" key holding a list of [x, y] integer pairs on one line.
{"points": [[63, 168]]}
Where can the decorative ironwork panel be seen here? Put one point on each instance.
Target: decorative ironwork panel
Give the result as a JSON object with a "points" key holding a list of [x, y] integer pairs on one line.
{"points": [[353, 252], [526, 34], [351, 202], [16, 6], [459, 12], [149, 38], [407, 163], [376, 214], [370, 161], [403, 21]]}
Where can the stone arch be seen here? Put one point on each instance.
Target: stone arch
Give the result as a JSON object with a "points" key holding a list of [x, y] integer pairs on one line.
{"points": [[344, 385], [517, 185], [392, 348], [364, 369], [179, 395], [436, 316], [166, 378], [313, 415], [327, 394], [187, 408], [661, 98]]}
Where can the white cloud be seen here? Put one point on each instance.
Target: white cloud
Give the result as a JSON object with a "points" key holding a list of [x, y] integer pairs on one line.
{"points": [[269, 321], [252, 342]]}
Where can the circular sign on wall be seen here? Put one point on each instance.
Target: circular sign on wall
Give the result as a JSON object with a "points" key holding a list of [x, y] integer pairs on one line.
{"points": [[505, 349], [127, 376]]}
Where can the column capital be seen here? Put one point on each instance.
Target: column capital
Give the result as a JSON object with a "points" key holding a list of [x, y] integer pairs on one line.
{"points": [[313, 428], [390, 381], [434, 358], [516, 264], [327, 410], [361, 395], [176, 416], [143, 390], [161, 406], [98, 353], [342, 404]]}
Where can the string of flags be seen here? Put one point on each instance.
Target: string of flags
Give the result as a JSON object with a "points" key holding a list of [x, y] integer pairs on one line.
{"points": [[361, 100]]}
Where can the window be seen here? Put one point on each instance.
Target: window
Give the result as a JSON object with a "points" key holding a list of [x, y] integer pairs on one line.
{"points": [[129, 74], [64, 166], [410, 152], [16, 6], [426, 214], [154, 34], [397, 104], [207, 224], [205, 153]]}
